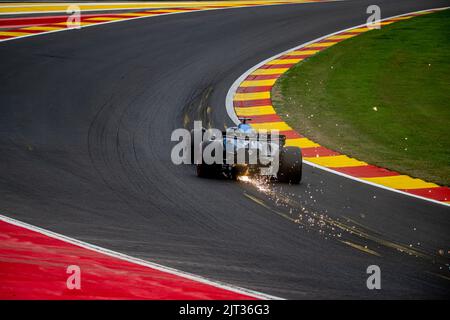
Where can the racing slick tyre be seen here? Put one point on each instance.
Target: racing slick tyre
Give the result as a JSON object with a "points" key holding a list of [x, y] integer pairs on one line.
{"points": [[290, 169]]}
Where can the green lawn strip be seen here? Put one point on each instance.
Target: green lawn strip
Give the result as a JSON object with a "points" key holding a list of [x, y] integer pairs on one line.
{"points": [[382, 97]]}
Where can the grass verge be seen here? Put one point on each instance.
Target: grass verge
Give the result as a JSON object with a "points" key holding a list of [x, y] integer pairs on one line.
{"points": [[382, 97]]}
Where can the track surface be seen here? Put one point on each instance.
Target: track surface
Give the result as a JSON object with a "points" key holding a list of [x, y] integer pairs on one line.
{"points": [[85, 125]]}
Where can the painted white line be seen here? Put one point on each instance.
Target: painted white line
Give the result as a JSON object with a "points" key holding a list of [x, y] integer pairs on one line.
{"points": [[98, 10], [372, 183], [251, 293], [102, 23], [232, 114], [163, 14], [121, 256], [62, 4], [56, 3]]}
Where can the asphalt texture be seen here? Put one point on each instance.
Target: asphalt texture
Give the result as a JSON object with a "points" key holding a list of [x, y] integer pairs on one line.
{"points": [[85, 125]]}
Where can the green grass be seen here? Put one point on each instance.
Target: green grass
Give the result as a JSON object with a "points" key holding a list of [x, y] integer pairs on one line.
{"points": [[382, 97]]}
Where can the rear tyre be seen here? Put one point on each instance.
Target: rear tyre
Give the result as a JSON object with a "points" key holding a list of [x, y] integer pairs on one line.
{"points": [[203, 170], [290, 169]]}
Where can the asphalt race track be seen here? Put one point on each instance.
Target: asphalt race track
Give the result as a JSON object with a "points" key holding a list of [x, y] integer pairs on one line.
{"points": [[85, 124]]}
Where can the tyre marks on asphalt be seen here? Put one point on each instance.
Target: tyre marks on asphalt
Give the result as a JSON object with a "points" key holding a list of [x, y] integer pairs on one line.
{"points": [[344, 229]]}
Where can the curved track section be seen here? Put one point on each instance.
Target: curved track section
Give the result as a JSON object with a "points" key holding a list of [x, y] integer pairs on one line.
{"points": [[251, 96], [85, 151]]}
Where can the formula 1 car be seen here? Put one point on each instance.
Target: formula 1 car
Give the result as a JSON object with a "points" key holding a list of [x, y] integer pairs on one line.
{"points": [[242, 144]]}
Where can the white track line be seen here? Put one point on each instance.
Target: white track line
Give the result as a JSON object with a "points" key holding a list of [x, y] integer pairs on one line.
{"points": [[121, 256], [140, 5], [163, 14], [232, 114]]}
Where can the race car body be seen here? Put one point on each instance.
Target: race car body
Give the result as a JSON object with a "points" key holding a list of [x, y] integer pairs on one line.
{"points": [[241, 151]]}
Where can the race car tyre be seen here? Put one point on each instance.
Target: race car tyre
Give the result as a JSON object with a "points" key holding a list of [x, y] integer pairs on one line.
{"points": [[234, 174], [290, 169], [207, 170]]}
